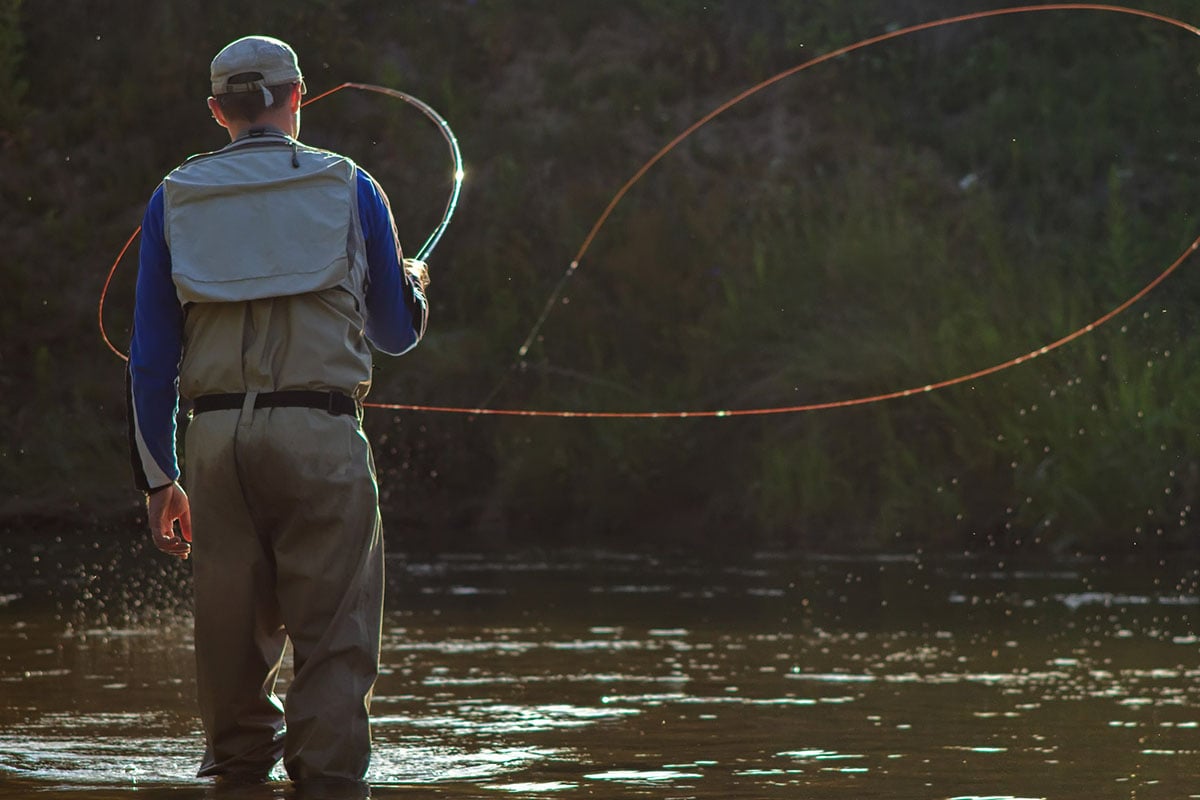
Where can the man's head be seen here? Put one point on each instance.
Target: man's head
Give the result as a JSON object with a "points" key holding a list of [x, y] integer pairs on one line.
{"points": [[256, 79]]}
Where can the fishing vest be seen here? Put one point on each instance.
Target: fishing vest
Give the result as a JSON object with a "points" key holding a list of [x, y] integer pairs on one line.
{"points": [[269, 263], [265, 217]]}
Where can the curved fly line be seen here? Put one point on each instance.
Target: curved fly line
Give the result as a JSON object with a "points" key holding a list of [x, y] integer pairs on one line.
{"points": [[573, 266]]}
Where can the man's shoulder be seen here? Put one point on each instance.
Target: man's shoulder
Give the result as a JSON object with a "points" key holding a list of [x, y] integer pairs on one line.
{"points": [[323, 151], [342, 164]]}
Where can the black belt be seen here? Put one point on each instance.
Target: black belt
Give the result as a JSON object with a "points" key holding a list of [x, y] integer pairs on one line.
{"points": [[333, 402]]}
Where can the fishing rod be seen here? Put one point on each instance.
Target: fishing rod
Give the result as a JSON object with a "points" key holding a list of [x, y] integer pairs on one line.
{"points": [[451, 141]]}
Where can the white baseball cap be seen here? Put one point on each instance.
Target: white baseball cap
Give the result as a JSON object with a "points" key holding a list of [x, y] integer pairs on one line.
{"points": [[257, 62]]}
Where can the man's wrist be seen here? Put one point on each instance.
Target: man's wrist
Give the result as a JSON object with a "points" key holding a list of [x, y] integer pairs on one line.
{"points": [[158, 489]]}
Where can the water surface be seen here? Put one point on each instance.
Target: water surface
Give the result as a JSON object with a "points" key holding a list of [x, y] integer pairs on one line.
{"points": [[609, 675]]}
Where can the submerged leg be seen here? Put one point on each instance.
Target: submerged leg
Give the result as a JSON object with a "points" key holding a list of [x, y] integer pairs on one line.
{"points": [[329, 550], [238, 629]]}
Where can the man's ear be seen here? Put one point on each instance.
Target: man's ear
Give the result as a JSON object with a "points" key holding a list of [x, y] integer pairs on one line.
{"points": [[214, 108]]}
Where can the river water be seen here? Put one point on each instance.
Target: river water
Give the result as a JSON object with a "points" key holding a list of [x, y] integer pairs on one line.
{"points": [[612, 676]]}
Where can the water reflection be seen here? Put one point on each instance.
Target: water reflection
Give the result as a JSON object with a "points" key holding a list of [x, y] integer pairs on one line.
{"points": [[608, 676]]}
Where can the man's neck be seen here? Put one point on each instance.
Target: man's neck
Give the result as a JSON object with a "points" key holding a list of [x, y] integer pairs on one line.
{"points": [[282, 122]]}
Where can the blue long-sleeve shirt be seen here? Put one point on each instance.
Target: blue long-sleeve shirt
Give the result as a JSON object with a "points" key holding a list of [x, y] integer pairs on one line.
{"points": [[396, 313]]}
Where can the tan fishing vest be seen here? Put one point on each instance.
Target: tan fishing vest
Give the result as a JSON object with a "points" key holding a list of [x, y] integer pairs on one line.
{"points": [[268, 261]]}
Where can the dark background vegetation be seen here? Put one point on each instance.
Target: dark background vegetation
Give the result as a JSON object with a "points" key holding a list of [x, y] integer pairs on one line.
{"points": [[905, 214]]}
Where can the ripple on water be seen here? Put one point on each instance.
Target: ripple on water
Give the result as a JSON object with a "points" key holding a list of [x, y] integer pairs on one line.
{"points": [[687, 699], [486, 717], [647, 776], [522, 680], [93, 760], [410, 762], [104, 720], [89, 761], [531, 788], [823, 757]]}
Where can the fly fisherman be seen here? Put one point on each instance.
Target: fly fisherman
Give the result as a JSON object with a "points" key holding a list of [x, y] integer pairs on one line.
{"points": [[265, 269]]}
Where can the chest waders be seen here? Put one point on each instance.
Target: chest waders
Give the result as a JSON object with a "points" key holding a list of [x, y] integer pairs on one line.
{"points": [[268, 261]]}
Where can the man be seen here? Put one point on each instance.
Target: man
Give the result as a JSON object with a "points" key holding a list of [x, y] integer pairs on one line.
{"points": [[264, 269]]}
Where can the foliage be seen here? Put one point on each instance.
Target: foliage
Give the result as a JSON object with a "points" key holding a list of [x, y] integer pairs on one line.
{"points": [[12, 85], [898, 216]]}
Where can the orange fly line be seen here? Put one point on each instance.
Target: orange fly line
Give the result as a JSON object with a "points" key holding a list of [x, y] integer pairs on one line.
{"points": [[641, 172]]}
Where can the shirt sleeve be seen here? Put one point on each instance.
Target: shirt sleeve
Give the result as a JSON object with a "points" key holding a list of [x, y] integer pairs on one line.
{"points": [[396, 307], [152, 379]]}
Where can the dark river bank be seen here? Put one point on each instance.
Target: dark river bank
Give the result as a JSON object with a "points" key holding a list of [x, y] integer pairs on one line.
{"points": [[612, 675]]}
